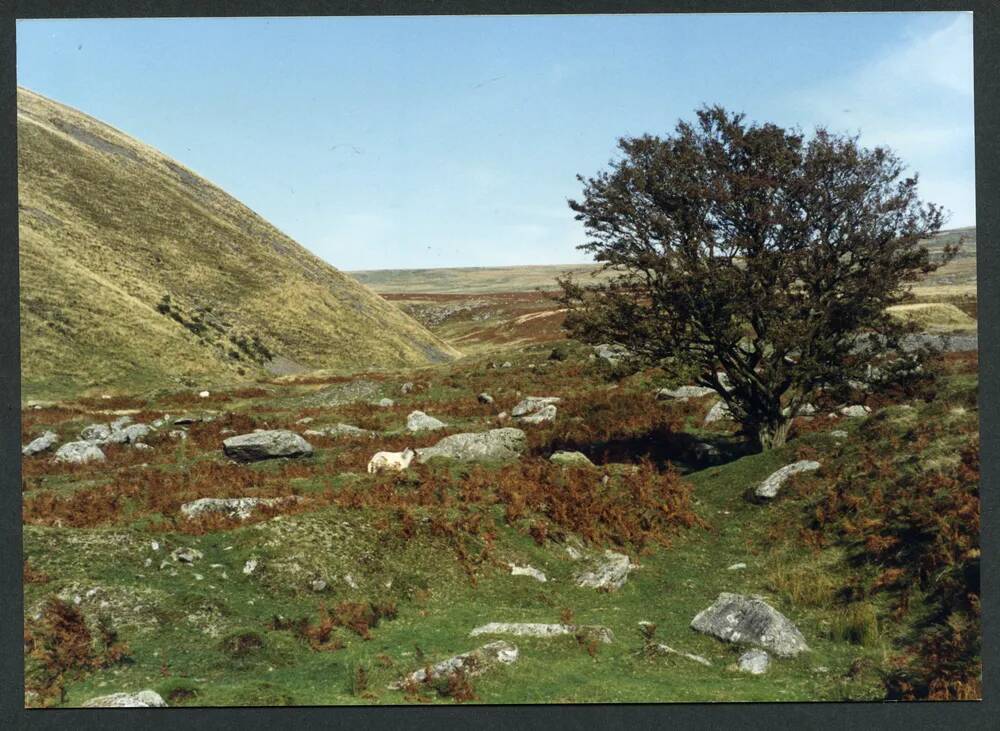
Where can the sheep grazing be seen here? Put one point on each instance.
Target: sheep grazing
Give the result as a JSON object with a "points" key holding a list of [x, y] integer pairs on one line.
{"points": [[398, 461]]}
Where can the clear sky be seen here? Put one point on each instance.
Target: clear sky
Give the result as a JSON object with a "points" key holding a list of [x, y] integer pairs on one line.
{"points": [[456, 141]]}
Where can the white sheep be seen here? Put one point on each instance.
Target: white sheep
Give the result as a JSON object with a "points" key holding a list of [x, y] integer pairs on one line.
{"points": [[398, 461]]}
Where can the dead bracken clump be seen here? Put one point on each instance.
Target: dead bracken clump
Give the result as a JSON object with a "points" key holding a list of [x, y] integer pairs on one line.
{"points": [[634, 509], [33, 576], [361, 617], [59, 646], [358, 617], [319, 636], [920, 529]]}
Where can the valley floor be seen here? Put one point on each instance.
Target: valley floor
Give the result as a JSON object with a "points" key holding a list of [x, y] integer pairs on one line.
{"points": [[329, 599]]}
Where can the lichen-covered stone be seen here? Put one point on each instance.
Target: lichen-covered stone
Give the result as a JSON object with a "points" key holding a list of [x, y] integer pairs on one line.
{"points": [[495, 444], [750, 620]]}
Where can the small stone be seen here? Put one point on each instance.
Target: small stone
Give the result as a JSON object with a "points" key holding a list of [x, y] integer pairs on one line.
{"points": [[736, 567], [571, 459], [406, 388], [419, 421], [203, 394], [386, 403], [318, 585], [718, 412], [668, 650], [527, 571], [754, 662], [186, 555], [546, 413], [98, 433], [533, 404], [250, 566], [855, 411], [484, 398], [768, 489]]}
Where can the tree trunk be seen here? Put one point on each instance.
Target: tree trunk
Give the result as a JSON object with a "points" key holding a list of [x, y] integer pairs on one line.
{"points": [[773, 434]]}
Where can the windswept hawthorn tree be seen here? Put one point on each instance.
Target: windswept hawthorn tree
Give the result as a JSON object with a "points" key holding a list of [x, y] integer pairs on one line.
{"points": [[751, 251]]}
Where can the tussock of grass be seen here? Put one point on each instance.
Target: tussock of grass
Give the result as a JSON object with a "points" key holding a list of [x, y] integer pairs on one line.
{"points": [[856, 623], [934, 316]]}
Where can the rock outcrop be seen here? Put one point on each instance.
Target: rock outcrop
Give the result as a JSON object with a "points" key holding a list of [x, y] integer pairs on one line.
{"points": [[472, 663], [609, 573], [79, 453], [495, 444], [41, 444], [142, 699], [533, 629], [235, 507]]}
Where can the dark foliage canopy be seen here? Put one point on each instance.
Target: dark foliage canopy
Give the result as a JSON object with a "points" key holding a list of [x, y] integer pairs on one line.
{"points": [[752, 251]]}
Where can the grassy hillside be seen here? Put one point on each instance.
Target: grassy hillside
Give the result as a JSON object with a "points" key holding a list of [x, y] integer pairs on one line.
{"points": [[137, 272], [956, 279]]}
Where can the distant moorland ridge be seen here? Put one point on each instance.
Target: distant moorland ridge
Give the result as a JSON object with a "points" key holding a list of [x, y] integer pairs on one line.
{"points": [[961, 273]]}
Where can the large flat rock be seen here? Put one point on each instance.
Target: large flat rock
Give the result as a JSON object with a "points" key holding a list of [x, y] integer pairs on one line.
{"points": [[266, 445], [749, 620]]}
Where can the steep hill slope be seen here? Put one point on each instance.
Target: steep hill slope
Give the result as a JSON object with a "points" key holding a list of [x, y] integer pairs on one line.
{"points": [[137, 272]]}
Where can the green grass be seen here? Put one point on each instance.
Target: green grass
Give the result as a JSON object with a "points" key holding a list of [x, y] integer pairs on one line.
{"points": [[177, 625]]}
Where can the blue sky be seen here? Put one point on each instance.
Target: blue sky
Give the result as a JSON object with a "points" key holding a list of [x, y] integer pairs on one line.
{"points": [[455, 141]]}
